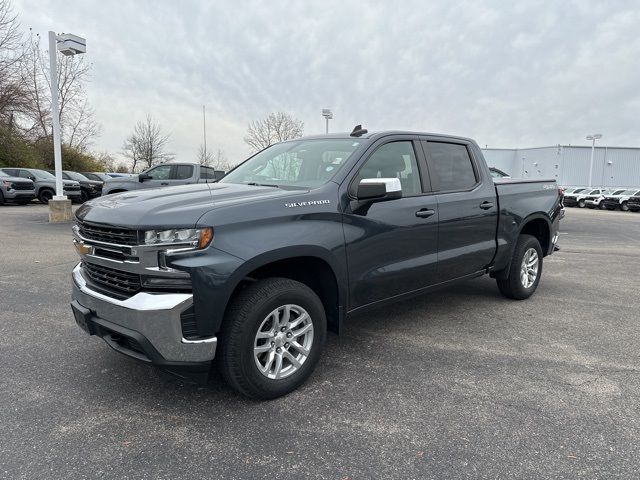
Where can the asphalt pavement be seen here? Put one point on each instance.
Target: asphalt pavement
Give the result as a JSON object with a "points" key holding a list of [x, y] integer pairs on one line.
{"points": [[460, 383]]}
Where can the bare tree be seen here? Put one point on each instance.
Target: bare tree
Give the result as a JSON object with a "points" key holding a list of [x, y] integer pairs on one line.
{"points": [[146, 146], [77, 119], [11, 54], [217, 160], [277, 127]]}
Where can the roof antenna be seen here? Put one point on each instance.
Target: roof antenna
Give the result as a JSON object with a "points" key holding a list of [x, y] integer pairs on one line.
{"points": [[358, 131]]}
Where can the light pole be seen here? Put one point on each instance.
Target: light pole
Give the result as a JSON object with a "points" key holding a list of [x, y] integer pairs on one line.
{"points": [[67, 44], [593, 139], [328, 115]]}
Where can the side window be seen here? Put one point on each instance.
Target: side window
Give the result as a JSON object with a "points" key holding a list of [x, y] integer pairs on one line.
{"points": [[393, 160], [24, 174], [11, 171], [183, 172], [452, 166], [207, 173], [162, 172]]}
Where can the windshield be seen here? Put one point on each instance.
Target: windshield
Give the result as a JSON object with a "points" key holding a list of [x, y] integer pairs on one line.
{"points": [[2, 174], [301, 163], [75, 175], [596, 192], [41, 174], [578, 190]]}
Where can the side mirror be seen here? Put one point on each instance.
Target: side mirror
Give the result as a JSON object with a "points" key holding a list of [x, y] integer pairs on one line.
{"points": [[143, 176], [379, 189]]}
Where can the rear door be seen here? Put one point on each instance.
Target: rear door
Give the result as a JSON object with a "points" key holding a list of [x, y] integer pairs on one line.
{"points": [[467, 207], [183, 174], [392, 245]]}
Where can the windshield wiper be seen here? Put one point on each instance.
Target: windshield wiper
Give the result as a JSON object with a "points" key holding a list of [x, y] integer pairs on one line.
{"points": [[254, 184]]}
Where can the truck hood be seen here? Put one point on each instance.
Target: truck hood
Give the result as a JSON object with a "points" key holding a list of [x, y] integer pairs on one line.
{"points": [[127, 179], [171, 206]]}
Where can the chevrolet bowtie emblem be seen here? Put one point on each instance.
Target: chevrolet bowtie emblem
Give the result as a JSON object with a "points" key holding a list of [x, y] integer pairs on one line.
{"points": [[81, 247]]}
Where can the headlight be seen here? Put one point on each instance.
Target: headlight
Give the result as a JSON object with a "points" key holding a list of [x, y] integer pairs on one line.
{"points": [[7, 183], [194, 237]]}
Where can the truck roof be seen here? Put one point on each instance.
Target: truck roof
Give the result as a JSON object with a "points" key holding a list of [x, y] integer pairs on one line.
{"points": [[376, 135]]}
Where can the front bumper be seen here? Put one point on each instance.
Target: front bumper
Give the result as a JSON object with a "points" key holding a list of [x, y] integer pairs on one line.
{"points": [[151, 320], [19, 194]]}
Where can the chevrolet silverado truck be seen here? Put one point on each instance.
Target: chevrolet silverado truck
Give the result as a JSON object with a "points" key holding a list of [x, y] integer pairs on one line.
{"points": [[163, 175], [45, 183], [255, 268], [620, 199]]}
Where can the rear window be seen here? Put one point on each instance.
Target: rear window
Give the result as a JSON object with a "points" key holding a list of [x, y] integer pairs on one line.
{"points": [[452, 166], [183, 172]]}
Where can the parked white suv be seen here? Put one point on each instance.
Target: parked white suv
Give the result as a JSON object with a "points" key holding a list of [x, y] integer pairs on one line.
{"points": [[619, 199]]}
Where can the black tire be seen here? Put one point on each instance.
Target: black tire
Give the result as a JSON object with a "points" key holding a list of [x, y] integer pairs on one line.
{"points": [[632, 209], [1, 198], [245, 315], [44, 195], [624, 207], [84, 195], [581, 204], [601, 206], [512, 286]]}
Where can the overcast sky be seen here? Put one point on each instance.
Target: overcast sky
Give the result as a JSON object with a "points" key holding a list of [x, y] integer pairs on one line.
{"points": [[529, 73]]}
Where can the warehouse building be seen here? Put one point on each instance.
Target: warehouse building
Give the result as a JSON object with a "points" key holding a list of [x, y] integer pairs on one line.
{"points": [[569, 165]]}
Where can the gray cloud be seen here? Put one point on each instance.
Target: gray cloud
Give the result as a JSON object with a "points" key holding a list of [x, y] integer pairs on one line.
{"points": [[526, 74]]}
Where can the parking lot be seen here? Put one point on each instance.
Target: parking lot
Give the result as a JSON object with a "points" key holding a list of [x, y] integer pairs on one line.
{"points": [[460, 383]]}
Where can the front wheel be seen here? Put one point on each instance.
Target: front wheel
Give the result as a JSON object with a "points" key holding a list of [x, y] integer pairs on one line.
{"points": [[271, 338], [525, 270], [624, 207], [45, 195], [581, 203]]}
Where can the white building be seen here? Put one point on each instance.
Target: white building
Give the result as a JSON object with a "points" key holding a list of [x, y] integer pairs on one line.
{"points": [[569, 165]]}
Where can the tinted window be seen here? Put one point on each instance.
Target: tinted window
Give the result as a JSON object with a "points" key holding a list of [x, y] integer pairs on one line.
{"points": [[207, 173], [452, 166], [183, 172], [11, 171], [394, 160], [163, 172]]}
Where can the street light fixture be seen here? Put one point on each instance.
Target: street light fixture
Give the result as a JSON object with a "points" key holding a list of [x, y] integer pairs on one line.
{"points": [[67, 44], [593, 138], [328, 115]]}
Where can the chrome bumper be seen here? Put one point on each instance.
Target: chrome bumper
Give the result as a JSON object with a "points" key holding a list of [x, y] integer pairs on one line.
{"points": [[156, 316]]}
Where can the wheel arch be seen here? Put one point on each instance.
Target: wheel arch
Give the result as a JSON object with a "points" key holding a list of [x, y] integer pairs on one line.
{"points": [[310, 265]]}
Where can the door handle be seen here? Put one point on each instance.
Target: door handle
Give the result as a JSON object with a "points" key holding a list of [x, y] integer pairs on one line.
{"points": [[425, 213], [486, 205]]}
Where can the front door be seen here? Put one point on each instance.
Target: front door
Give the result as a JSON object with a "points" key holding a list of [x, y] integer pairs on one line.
{"points": [[392, 245], [467, 205]]}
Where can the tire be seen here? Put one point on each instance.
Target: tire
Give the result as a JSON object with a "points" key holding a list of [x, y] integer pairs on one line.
{"points": [[581, 203], [1, 198], [632, 209], [251, 312], [601, 206], [624, 207], [84, 196], [513, 286], [44, 195]]}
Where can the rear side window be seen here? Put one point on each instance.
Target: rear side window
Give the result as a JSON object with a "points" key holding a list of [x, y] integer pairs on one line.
{"points": [[452, 166], [183, 172], [207, 173]]}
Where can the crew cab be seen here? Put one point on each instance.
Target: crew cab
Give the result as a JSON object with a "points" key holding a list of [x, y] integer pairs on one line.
{"points": [[619, 199], [163, 175], [254, 269], [45, 183]]}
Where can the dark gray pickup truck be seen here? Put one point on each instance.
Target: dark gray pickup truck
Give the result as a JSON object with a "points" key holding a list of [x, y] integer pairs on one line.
{"points": [[255, 268]]}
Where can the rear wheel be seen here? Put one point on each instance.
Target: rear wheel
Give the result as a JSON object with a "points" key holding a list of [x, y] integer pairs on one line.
{"points": [[271, 338], [624, 207], [45, 195], [525, 270]]}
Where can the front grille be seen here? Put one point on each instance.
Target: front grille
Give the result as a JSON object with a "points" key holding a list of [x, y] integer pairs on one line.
{"points": [[115, 280], [22, 186], [72, 188], [118, 236]]}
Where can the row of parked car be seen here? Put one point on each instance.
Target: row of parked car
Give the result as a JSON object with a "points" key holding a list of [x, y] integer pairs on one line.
{"points": [[625, 199], [22, 185]]}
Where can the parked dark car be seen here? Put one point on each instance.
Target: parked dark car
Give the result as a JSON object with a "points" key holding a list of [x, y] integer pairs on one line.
{"points": [[254, 269], [99, 176], [16, 189], [88, 188], [634, 203], [45, 183]]}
